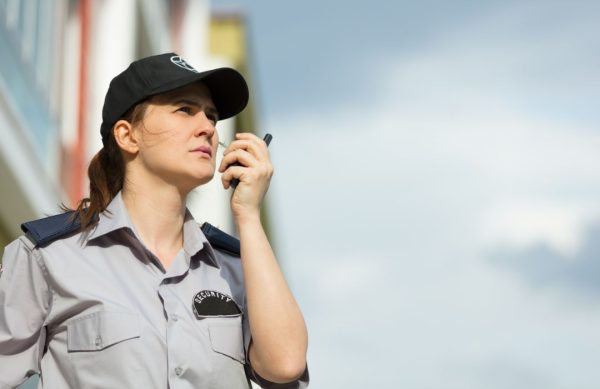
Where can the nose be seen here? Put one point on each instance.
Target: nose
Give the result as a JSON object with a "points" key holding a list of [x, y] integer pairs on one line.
{"points": [[204, 126]]}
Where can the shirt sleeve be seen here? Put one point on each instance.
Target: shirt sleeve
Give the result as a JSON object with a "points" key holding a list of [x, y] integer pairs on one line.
{"points": [[24, 305], [300, 383]]}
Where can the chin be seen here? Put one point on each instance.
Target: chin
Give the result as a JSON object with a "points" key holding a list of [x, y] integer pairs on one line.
{"points": [[189, 180], [203, 181], [204, 178]]}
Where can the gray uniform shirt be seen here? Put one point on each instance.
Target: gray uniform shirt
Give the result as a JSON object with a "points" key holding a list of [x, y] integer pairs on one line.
{"points": [[97, 310]]}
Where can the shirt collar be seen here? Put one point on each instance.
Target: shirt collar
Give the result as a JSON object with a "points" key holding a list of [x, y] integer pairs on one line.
{"points": [[116, 217]]}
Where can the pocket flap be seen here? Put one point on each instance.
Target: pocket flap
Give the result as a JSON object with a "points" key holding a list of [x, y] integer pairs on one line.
{"points": [[102, 329], [226, 337]]}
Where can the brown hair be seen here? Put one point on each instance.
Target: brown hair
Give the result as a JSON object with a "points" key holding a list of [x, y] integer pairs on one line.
{"points": [[106, 172]]}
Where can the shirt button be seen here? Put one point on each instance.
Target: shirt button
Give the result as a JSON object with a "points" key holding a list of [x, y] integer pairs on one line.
{"points": [[178, 371], [174, 317], [98, 341]]}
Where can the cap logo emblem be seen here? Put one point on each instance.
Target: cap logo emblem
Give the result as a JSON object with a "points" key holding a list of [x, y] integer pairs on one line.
{"points": [[177, 60]]}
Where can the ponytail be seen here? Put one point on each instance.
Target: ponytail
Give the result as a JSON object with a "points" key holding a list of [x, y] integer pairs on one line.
{"points": [[106, 173]]}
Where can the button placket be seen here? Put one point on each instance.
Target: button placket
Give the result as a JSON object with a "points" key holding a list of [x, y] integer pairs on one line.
{"points": [[170, 304]]}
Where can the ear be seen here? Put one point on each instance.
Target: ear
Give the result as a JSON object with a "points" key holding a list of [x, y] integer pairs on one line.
{"points": [[125, 137]]}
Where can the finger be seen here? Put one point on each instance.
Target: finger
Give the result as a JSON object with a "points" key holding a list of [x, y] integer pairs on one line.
{"points": [[258, 148], [240, 156], [231, 173], [251, 137], [247, 135], [249, 175]]}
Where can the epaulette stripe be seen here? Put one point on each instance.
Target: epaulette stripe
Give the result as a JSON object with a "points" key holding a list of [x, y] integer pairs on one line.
{"points": [[220, 239], [46, 230]]}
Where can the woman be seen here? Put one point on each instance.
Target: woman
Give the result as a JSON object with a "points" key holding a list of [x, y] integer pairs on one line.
{"points": [[128, 291]]}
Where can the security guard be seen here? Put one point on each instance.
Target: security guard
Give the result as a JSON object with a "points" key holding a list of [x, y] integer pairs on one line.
{"points": [[128, 291]]}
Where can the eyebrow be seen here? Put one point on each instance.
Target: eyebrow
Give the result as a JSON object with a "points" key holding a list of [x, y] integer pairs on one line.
{"points": [[209, 109]]}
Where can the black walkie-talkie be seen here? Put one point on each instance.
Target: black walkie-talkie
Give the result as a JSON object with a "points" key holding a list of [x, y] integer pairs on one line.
{"points": [[235, 181]]}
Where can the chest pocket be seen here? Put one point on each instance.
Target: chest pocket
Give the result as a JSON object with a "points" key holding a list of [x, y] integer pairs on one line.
{"points": [[101, 330], [226, 337], [105, 351]]}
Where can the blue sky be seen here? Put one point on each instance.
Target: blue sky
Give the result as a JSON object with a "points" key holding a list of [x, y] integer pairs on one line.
{"points": [[436, 187]]}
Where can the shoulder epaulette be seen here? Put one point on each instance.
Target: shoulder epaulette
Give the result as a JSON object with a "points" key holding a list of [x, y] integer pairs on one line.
{"points": [[50, 228], [220, 239]]}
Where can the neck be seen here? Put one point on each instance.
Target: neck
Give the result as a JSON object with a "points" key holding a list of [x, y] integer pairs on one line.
{"points": [[158, 213]]}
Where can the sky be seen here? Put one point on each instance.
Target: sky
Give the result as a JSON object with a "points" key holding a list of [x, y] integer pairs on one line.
{"points": [[436, 187]]}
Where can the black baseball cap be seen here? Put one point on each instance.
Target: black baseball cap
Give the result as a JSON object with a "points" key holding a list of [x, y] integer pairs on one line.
{"points": [[162, 73]]}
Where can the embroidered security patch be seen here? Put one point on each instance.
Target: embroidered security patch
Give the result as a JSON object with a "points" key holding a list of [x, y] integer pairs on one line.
{"points": [[208, 303]]}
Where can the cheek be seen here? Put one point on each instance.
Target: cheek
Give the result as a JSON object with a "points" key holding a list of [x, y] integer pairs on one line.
{"points": [[171, 141], [163, 149], [153, 136]]}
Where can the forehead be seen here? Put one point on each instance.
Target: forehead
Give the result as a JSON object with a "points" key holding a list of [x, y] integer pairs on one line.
{"points": [[196, 92]]}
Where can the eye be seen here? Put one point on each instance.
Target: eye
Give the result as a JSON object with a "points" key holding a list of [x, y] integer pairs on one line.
{"points": [[185, 109]]}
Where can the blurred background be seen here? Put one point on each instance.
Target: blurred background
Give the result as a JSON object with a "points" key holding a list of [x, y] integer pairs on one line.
{"points": [[437, 167]]}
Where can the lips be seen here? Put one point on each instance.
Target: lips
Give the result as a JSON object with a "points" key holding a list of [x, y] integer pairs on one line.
{"points": [[203, 150]]}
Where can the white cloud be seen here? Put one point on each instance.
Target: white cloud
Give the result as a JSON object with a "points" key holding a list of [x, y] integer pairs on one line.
{"points": [[519, 226]]}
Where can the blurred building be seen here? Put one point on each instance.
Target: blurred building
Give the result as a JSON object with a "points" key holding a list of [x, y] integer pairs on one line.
{"points": [[57, 59], [31, 76]]}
